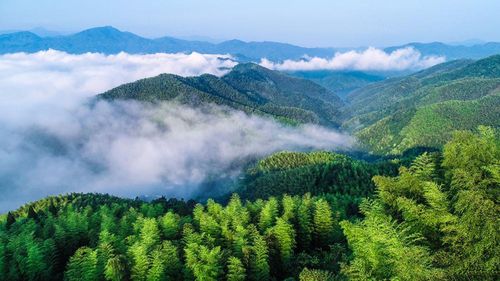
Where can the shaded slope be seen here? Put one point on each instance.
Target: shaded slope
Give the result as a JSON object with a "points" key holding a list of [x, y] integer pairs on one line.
{"points": [[339, 82]]}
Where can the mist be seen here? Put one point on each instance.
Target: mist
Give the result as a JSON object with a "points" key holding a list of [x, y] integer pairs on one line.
{"points": [[371, 59], [53, 140]]}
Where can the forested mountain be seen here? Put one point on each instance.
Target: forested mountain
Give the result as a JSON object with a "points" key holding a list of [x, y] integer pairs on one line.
{"points": [[388, 117], [436, 220], [423, 109], [109, 40], [339, 82], [248, 87]]}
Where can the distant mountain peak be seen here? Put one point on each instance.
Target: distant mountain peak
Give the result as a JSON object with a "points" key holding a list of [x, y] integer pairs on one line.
{"points": [[248, 66], [102, 30], [21, 34]]}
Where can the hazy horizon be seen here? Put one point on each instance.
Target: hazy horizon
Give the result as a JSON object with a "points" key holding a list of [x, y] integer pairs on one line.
{"points": [[318, 24], [44, 32]]}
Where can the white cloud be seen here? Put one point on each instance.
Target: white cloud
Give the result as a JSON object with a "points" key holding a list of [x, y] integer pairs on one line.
{"points": [[61, 81], [51, 142], [371, 59]]}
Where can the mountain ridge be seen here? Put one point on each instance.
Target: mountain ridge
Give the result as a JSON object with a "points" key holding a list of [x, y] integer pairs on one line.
{"points": [[248, 87], [423, 109], [90, 40], [109, 40]]}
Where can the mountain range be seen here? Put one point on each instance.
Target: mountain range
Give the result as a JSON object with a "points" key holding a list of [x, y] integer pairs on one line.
{"points": [[388, 116], [248, 87], [110, 40]]}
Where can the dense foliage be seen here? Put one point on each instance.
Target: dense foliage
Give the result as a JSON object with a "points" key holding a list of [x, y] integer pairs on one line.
{"points": [[96, 237], [316, 173], [436, 220]]}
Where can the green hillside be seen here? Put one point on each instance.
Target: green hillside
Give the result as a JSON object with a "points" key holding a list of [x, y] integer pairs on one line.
{"points": [[316, 172], [423, 109], [247, 87], [430, 125]]}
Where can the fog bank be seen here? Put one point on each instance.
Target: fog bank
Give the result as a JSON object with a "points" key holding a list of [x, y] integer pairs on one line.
{"points": [[52, 141], [371, 59]]}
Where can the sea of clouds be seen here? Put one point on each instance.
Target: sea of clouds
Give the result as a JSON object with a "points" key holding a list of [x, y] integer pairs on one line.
{"points": [[370, 59], [53, 140]]}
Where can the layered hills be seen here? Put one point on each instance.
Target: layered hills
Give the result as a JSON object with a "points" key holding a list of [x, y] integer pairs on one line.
{"points": [[109, 40], [424, 108], [388, 116], [248, 87]]}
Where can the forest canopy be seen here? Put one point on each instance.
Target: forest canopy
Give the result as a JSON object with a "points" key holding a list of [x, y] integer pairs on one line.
{"points": [[434, 220]]}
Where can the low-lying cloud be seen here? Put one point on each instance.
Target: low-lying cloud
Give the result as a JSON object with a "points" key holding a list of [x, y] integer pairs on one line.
{"points": [[52, 141], [371, 59]]}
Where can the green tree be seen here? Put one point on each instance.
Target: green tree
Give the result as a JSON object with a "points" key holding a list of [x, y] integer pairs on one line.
{"points": [[150, 233], [82, 265], [170, 225], [285, 237], [115, 269], [268, 214], [472, 165], [204, 262], [304, 220], [235, 269], [171, 260], [157, 270], [140, 261], [384, 250], [259, 266], [323, 222]]}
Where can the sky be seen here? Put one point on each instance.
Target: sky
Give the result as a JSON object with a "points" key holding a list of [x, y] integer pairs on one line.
{"points": [[338, 23]]}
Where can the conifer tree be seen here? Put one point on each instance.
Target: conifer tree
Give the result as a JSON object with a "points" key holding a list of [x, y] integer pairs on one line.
{"points": [[472, 165], [171, 260], [289, 206], [204, 262], [235, 270], [36, 262], [304, 221], [150, 233], [157, 269], [10, 219], [268, 214], [323, 222], [140, 261], [259, 265], [170, 225], [115, 269], [285, 237], [82, 266], [384, 250]]}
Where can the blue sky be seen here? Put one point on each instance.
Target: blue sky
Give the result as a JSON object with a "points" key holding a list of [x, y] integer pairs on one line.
{"points": [[307, 23]]}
